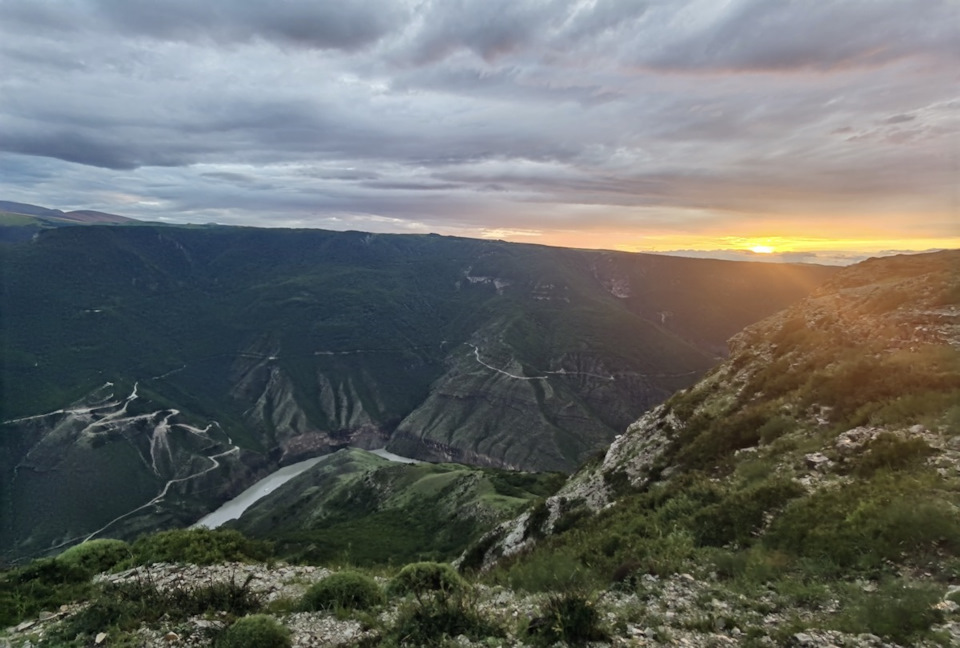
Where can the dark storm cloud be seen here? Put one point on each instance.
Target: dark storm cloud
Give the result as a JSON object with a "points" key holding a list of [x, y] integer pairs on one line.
{"points": [[489, 29], [461, 115], [321, 25], [93, 151], [760, 35]]}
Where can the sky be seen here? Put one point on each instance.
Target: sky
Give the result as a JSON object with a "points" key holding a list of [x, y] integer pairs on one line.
{"points": [[816, 130]]}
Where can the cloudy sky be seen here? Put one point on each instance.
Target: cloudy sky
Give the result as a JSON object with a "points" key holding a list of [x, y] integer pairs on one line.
{"points": [[817, 128]]}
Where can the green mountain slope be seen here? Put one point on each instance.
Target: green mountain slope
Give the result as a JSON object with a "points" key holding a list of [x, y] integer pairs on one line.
{"points": [[292, 344], [814, 476], [356, 507], [21, 222]]}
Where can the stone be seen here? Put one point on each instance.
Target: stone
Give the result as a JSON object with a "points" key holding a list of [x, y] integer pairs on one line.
{"points": [[25, 625], [100, 638], [947, 606], [171, 637], [817, 461]]}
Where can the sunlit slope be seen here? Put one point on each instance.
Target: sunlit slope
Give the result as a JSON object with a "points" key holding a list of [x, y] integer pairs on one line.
{"points": [[825, 449]]}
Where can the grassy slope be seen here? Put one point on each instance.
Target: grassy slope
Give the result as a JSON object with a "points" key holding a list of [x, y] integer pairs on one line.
{"points": [[735, 496], [358, 508]]}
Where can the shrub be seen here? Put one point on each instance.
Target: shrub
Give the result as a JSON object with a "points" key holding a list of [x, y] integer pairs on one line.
{"points": [[706, 442], [434, 621], [41, 585], [775, 427], [344, 590], [474, 557], [256, 631], [626, 576], [865, 524], [741, 513], [901, 614], [96, 556], [570, 519], [538, 517], [544, 571], [570, 617], [199, 546], [127, 605], [891, 452], [427, 577]]}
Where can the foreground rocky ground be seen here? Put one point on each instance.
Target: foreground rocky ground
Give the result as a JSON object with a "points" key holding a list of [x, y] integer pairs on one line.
{"points": [[677, 611]]}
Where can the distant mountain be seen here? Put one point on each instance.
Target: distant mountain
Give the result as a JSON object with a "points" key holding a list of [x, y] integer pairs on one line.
{"points": [[86, 216], [20, 221], [150, 372]]}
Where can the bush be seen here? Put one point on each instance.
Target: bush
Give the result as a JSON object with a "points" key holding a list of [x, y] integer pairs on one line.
{"points": [[706, 442], [41, 585], [200, 547], [256, 631], [539, 514], [895, 612], [95, 556], [890, 517], [130, 604], [890, 452], [544, 571], [434, 621], [741, 513], [570, 617], [345, 590], [570, 519], [775, 427], [474, 557], [427, 577]]}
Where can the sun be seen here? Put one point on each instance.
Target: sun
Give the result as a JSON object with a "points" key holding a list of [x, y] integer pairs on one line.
{"points": [[762, 249]]}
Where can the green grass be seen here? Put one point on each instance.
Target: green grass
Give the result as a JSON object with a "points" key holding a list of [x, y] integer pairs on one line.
{"points": [[343, 590], [10, 219]]}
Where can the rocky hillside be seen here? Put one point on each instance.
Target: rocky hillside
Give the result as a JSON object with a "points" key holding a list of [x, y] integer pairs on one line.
{"points": [[804, 493], [149, 372], [816, 472], [869, 362]]}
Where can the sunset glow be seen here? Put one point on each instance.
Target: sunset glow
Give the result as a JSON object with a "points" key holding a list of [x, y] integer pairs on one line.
{"points": [[687, 127]]}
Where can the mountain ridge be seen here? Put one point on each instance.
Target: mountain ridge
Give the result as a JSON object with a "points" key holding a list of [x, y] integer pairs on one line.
{"points": [[297, 343]]}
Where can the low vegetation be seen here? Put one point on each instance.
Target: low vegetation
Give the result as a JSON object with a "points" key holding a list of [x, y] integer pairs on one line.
{"points": [[345, 590], [255, 631], [427, 578]]}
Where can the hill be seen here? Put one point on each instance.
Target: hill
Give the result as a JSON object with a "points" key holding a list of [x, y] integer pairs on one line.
{"points": [[807, 489], [21, 222], [150, 372], [803, 493], [357, 507]]}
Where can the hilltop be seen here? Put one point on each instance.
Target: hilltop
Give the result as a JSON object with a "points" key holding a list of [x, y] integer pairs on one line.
{"points": [[21, 222]]}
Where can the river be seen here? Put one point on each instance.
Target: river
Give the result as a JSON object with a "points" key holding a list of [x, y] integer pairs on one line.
{"points": [[234, 508]]}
